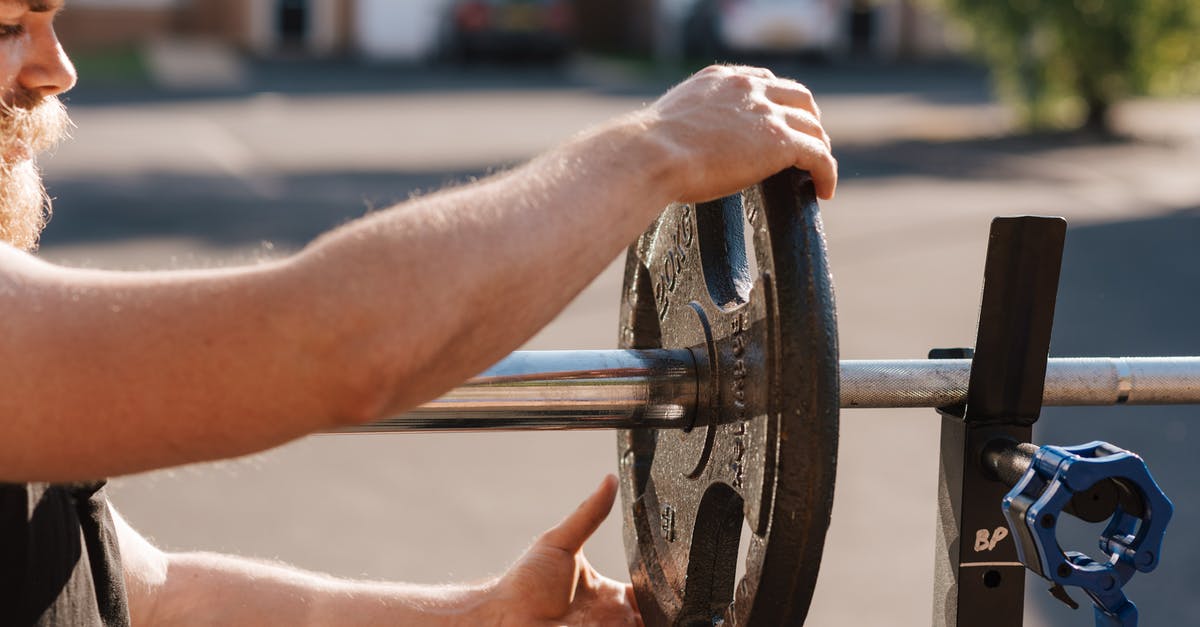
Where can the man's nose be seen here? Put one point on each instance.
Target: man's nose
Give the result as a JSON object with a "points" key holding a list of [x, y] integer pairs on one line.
{"points": [[47, 70]]}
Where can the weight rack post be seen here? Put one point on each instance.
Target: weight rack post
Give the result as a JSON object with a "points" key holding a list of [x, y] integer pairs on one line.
{"points": [[978, 579]]}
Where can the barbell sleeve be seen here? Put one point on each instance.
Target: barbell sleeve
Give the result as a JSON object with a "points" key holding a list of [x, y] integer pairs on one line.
{"points": [[623, 389], [537, 390]]}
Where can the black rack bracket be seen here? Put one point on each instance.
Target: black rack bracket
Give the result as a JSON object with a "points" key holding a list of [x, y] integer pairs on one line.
{"points": [[978, 579]]}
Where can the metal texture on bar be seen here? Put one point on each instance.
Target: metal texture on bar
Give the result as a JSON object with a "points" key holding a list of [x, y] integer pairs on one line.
{"points": [[1069, 381], [904, 382], [539, 390], [532, 390]]}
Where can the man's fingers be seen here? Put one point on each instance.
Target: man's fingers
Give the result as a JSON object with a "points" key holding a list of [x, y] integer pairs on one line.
{"points": [[570, 534], [744, 70], [804, 122], [819, 162], [814, 150], [792, 94], [760, 72], [631, 599], [799, 110], [631, 596]]}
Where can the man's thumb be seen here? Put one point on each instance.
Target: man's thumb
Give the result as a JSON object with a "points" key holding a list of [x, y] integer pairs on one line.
{"points": [[570, 534]]}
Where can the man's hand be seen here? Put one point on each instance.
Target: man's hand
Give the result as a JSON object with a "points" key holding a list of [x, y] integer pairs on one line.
{"points": [[553, 583], [729, 127]]}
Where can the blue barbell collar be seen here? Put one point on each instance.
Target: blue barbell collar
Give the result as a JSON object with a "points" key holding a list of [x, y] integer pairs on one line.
{"points": [[1132, 541]]}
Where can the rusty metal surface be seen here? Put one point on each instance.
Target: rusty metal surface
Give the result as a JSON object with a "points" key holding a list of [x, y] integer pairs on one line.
{"points": [[763, 447]]}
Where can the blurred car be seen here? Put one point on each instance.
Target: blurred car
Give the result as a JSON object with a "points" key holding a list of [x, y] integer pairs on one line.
{"points": [[488, 29], [718, 27]]}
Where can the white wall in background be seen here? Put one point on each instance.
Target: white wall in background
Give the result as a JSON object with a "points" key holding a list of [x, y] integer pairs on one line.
{"points": [[399, 31]]}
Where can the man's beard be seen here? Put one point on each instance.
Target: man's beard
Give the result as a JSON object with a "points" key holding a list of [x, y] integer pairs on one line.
{"points": [[25, 132]]}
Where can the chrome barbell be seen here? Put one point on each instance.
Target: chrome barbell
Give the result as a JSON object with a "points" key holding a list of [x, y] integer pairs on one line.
{"points": [[658, 388]]}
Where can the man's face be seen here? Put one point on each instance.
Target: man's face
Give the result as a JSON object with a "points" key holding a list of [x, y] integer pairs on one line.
{"points": [[33, 71]]}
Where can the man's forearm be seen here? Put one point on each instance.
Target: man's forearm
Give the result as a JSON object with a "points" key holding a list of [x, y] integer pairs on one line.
{"points": [[204, 589], [448, 284], [552, 583], [178, 367], [185, 589]]}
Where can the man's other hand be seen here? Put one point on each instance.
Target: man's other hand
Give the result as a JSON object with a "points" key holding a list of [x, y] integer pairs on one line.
{"points": [[553, 583]]}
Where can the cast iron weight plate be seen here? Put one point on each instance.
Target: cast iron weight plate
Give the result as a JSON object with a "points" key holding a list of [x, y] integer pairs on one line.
{"points": [[764, 444]]}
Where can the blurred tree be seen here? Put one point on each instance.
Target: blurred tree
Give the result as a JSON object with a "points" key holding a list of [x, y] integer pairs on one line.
{"points": [[1066, 62]]}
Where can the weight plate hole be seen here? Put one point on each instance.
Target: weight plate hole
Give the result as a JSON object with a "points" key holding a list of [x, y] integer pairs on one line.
{"points": [[743, 550], [748, 246], [713, 557], [724, 254], [992, 579]]}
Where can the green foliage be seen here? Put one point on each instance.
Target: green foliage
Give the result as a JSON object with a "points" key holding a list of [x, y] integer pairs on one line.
{"points": [[123, 65], [1065, 62]]}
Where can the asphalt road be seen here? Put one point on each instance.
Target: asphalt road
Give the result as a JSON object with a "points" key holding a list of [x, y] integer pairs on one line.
{"points": [[157, 180]]}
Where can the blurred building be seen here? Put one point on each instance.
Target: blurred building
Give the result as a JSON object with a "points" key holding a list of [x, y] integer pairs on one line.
{"points": [[878, 29], [413, 29], [264, 27], [109, 23], [902, 29], [319, 27]]}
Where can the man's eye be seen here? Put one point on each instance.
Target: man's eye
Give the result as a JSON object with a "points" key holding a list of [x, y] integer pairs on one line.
{"points": [[11, 30]]}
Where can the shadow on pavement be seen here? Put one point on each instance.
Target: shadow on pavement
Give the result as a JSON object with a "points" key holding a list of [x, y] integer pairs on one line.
{"points": [[1003, 157], [289, 211], [1133, 288], [292, 209]]}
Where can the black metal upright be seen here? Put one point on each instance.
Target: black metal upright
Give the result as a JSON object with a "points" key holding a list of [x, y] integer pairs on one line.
{"points": [[979, 582]]}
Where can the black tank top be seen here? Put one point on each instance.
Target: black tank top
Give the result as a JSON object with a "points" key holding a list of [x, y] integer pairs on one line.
{"points": [[59, 560]]}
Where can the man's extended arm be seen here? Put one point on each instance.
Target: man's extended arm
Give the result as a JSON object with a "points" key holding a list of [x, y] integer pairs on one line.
{"points": [[105, 373], [551, 584]]}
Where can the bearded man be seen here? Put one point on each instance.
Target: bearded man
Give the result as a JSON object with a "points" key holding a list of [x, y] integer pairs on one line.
{"points": [[231, 361]]}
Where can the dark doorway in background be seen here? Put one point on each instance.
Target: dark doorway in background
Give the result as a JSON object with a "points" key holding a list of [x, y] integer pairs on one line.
{"points": [[862, 28], [292, 16]]}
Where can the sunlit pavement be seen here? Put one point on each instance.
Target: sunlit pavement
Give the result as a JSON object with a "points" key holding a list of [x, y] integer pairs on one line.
{"points": [[174, 181]]}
